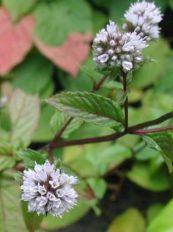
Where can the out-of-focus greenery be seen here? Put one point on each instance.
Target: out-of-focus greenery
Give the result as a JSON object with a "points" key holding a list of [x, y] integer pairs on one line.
{"points": [[26, 121]]}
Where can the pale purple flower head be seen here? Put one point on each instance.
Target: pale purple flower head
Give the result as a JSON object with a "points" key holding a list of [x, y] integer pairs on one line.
{"points": [[144, 17], [111, 48], [48, 190]]}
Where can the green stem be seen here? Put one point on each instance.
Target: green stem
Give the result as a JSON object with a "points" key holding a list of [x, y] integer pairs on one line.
{"points": [[125, 87]]}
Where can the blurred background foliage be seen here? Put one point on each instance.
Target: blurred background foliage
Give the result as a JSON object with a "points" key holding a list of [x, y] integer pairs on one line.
{"points": [[45, 47]]}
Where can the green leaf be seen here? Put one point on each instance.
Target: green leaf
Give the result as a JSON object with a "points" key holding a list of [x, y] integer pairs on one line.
{"points": [[152, 70], [165, 83], [57, 19], [32, 220], [19, 8], [43, 132], [147, 154], [85, 79], [98, 186], [153, 211], [171, 3], [52, 223], [130, 221], [163, 142], [142, 176], [99, 20], [6, 163], [58, 121], [105, 158], [10, 211], [93, 160], [161, 3], [163, 221], [30, 157], [5, 148], [24, 112], [39, 77], [89, 107], [102, 3], [117, 10]]}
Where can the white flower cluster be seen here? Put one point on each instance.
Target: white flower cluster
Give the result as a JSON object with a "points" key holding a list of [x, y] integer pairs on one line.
{"points": [[48, 190], [144, 17], [114, 48]]}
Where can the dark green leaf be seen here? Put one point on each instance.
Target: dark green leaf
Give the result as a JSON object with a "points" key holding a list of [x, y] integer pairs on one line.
{"points": [[43, 132], [163, 142], [32, 220], [89, 107], [57, 19], [30, 157], [38, 78], [117, 10], [171, 3]]}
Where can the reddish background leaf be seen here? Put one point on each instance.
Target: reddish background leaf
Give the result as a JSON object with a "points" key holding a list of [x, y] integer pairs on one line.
{"points": [[15, 40], [70, 55]]}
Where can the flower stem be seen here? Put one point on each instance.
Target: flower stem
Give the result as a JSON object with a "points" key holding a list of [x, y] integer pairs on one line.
{"points": [[125, 88], [112, 137], [154, 130]]}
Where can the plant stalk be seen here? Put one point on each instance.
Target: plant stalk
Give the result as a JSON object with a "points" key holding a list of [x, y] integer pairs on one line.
{"points": [[125, 89]]}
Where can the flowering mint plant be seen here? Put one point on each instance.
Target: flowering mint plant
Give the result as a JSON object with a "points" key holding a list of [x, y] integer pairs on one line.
{"points": [[50, 191]]}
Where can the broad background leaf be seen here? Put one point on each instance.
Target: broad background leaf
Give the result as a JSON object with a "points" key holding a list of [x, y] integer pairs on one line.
{"points": [[10, 212], [152, 70], [37, 72], [144, 177], [57, 19], [24, 112], [129, 221], [163, 221], [19, 8]]}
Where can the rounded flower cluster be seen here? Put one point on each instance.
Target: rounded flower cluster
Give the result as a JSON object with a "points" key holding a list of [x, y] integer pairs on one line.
{"points": [[144, 17], [48, 190], [111, 47]]}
